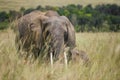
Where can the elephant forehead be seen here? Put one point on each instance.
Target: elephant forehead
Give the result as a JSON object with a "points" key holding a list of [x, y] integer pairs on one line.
{"points": [[57, 33], [57, 26], [61, 27]]}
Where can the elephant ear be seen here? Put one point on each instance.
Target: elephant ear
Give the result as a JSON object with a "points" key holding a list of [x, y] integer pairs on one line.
{"points": [[71, 41]]}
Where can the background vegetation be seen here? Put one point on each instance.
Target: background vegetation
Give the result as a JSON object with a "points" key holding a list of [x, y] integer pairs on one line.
{"points": [[100, 18]]}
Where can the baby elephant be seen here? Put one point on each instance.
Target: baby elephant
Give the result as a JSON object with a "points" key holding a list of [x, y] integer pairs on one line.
{"points": [[77, 55]]}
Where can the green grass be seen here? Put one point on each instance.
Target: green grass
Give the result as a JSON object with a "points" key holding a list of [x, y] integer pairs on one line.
{"points": [[17, 4], [103, 50]]}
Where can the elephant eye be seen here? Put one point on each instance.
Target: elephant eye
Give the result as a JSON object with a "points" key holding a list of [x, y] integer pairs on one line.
{"points": [[32, 25]]}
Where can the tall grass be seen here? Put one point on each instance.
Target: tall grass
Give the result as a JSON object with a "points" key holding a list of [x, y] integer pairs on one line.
{"points": [[103, 50]]}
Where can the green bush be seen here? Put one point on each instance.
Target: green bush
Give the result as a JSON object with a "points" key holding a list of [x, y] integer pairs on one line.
{"points": [[4, 25], [101, 18]]}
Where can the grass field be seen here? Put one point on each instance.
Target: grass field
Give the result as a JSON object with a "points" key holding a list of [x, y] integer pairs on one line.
{"points": [[103, 50], [6, 5]]}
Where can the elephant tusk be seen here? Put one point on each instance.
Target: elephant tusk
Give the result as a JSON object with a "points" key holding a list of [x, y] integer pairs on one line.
{"points": [[51, 59], [65, 58]]}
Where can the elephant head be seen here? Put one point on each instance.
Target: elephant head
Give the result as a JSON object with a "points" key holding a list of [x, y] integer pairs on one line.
{"points": [[61, 33]]}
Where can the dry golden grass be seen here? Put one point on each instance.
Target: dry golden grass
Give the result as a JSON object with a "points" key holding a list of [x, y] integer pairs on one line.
{"points": [[17, 4], [102, 48]]}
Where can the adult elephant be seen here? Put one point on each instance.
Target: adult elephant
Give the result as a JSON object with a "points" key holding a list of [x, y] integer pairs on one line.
{"points": [[29, 38]]}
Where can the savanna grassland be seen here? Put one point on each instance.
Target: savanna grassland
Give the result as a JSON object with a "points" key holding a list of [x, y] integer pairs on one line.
{"points": [[103, 50], [6, 5]]}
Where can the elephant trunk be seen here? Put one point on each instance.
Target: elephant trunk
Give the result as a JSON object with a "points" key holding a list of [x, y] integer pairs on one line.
{"points": [[57, 46]]}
